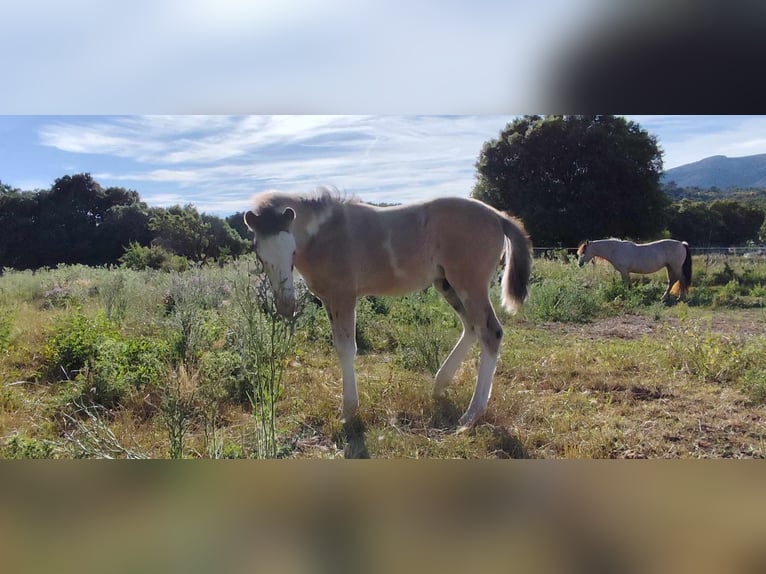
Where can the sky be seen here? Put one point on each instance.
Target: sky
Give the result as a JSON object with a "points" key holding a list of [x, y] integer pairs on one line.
{"points": [[218, 162], [210, 101]]}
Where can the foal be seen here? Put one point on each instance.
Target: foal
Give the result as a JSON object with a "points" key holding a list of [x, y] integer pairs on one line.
{"points": [[345, 249]]}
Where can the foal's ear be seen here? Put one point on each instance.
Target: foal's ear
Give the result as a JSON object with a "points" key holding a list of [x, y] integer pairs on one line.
{"points": [[288, 216], [250, 220]]}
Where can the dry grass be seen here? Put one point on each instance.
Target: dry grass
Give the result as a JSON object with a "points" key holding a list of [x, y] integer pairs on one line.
{"points": [[576, 394], [650, 382]]}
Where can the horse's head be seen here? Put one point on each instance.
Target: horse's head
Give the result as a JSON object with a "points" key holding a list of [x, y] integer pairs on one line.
{"points": [[582, 254], [274, 246]]}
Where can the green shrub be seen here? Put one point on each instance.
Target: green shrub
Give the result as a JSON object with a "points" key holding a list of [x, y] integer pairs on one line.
{"points": [[104, 364], [121, 366], [700, 296], [753, 384], [139, 257], [729, 295], [74, 343], [563, 300], [23, 447]]}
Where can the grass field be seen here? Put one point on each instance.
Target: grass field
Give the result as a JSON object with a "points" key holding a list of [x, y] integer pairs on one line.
{"points": [[98, 363]]}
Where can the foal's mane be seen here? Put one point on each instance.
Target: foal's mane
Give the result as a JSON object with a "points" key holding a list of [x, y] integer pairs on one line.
{"points": [[322, 197]]}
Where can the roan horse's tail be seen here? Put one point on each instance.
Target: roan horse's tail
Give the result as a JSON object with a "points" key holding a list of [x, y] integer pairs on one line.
{"points": [[687, 267], [686, 270], [518, 264]]}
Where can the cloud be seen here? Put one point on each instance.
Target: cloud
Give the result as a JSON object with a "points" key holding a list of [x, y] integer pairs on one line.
{"points": [[207, 158]]}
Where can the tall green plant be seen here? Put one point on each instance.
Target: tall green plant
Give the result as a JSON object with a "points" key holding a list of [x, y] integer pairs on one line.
{"points": [[266, 342]]}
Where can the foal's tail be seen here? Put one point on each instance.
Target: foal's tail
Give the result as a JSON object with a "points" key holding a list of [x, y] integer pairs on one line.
{"points": [[518, 264]]}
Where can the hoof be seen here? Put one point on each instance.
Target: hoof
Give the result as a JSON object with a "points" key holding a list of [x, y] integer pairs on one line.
{"points": [[466, 423], [350, 417]]}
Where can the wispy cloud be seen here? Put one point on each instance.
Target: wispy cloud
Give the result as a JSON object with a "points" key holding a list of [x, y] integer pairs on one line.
{"points": [[211, 158], [218, 162]]}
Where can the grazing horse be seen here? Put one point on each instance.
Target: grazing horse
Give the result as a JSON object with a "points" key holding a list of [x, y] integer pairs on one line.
{"points": [[345, 249], [627, 257]]}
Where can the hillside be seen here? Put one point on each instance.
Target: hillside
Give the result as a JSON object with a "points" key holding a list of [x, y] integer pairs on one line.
{"points": [[721, 172]]}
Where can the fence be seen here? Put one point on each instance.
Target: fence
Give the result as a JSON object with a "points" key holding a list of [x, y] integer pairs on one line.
{"points": [[742, 251]]}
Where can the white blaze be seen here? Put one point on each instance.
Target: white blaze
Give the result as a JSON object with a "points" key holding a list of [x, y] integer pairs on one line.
{"points": [[276, 253]]}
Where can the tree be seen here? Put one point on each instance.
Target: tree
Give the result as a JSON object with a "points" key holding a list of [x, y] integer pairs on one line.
{"points": [[181, 230], [722, 222], [575, 177], [223, 240], [121, 226], [70, 219], [237, 222], [18, 222]]}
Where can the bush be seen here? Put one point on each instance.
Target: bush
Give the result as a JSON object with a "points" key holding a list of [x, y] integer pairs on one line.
{"points": [[74, 344], [22, 447], [138, 257], [562, 300], [638, 294], [122, 366], [104, 365]]}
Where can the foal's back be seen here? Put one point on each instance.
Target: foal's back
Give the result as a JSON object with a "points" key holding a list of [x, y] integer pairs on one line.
{"points": [[404, 248]]}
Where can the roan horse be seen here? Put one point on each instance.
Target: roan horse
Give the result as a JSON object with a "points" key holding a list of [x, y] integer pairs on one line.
{"points": [[345, 249], [628, 257]]}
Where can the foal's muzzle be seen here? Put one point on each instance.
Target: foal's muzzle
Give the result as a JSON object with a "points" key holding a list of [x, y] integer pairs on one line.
{"points": [[285, 306]]}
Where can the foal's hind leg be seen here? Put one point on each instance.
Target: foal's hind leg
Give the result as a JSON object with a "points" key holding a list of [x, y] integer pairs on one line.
{"points": [[449, 367], [484, 322], [480, 322]]}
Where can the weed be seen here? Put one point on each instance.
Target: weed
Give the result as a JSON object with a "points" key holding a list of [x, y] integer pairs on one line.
{"points": [[753, 384], [87, 435], [6, 327], [178, 408], [114, 297], [265, 341]]}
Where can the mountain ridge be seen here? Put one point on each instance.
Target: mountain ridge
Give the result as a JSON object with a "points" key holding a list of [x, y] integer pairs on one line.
{"points": [[720, 171]]}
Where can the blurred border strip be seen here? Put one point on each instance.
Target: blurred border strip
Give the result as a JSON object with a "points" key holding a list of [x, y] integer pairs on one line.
{"points": [[303, 516]]}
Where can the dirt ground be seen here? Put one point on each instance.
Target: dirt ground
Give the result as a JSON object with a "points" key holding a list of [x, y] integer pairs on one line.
{"points": [[734, 323]]}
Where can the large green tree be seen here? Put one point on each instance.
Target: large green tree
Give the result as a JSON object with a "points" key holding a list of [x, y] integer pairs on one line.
{"points": [[199, 237], [78, 221], [575, 177], [718, 223], [18, 223]]}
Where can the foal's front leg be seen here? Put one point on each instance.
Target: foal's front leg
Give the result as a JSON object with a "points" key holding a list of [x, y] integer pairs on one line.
{"points": [[342, 316]]}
